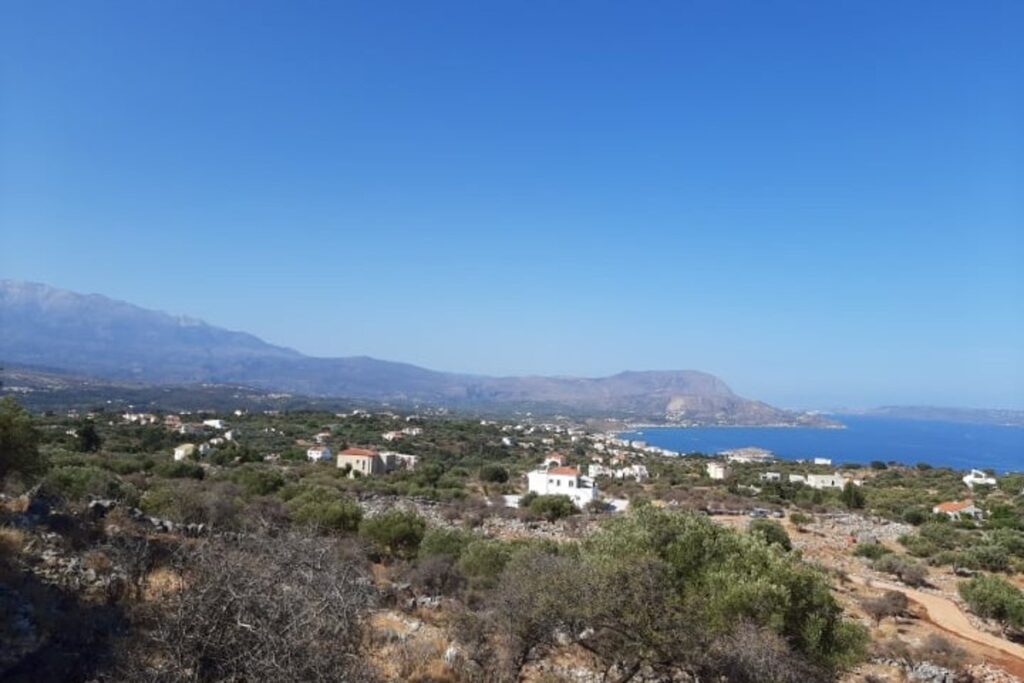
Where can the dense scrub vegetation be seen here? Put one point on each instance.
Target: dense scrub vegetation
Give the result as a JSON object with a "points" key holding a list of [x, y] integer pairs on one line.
{"points": [[995, 598], [659, 592]]}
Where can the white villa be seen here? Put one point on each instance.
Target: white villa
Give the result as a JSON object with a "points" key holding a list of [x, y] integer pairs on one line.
{"points": [[184, 450], [636, 471], [977, 477], [140, 418], [368, 462], [717, 470], [826, 481], [554, 478], [319, 453], [958, 509], [748, 454]]}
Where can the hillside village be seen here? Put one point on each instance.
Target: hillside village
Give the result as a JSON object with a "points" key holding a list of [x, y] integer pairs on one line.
{"points": [[877, 530]]}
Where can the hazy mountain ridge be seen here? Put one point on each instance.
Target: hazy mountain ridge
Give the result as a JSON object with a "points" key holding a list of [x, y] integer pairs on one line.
{"points": [[991, 416], [105, 338]]}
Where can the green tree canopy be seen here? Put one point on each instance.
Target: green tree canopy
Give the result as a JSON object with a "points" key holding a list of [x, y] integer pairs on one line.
{"points": [[19, 441], [87, 439]]}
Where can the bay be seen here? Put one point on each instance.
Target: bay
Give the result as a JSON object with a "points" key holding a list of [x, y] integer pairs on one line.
{"points": [[940, 444]]}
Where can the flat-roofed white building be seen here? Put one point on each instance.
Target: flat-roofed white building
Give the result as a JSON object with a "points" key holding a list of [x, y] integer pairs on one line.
{"points": [[319, 453], [718, 470]]}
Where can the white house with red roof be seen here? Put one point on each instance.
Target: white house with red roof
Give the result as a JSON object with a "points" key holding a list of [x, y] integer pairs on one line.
{"points": [[367, 462], [557, 479], [959, 509]]}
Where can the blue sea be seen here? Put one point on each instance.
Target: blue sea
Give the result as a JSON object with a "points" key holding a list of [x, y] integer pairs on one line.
{"points": [[941, 444]]}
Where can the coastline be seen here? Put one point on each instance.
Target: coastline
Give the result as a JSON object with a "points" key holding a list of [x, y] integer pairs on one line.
{"points": [[863, 439]]}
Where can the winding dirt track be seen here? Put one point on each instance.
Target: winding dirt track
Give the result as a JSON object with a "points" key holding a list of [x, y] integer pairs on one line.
{"points": [[946, 615]]}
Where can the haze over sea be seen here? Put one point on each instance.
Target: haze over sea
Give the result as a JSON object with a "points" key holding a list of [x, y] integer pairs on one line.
{"points": [[941, 444]]}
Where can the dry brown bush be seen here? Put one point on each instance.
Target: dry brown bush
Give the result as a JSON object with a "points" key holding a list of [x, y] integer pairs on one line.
{"points": [[253, 608]]}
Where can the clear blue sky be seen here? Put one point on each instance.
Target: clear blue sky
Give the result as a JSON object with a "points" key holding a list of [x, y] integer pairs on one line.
{"points": [[821, 202]]}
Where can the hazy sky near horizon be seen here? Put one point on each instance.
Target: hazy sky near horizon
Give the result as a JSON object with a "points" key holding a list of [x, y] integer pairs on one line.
{"points": [[820, 202]]}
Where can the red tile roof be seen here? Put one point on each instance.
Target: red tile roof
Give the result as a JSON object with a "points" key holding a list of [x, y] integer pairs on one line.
{"points": [[954, 505], [564, 471], [361, 452]]}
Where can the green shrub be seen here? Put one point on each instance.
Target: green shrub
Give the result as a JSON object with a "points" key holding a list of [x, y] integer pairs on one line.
{"points": [[258, 480], [852, 496], [179, 469], [483, 560], [954, 558], [916, 516], [1009, 539], [552, 507], [325, 508], [19, 441], [772, 532], [995, 598], [80, 482], [447, 542], [395, 533], [1005, 517], [872, 551], [991, 557], [129, 464], [651, 563], [800, 519], [495, 474], [185, 501], [902, 567], [918, 546]]}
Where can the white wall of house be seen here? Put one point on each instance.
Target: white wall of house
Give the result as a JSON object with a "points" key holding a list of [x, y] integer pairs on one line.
{"points": [[580, 489], [318, 453], [826, 481], [978, 477], [717, 470]]}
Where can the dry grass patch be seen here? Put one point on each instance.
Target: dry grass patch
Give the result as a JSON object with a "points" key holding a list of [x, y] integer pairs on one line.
{"points": [[11, 541], [160, 583]]}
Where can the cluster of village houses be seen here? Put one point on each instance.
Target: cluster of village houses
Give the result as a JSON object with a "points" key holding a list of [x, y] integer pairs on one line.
{"points": [[954, 509], [215, 426], [554, 476]]}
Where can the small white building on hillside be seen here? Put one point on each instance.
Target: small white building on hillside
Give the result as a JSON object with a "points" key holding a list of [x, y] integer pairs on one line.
{"points": [[319, 453], [826, 481], [978, 477], [368, 462], [718, 470], [748, 454], [635, 471], [958, 509], [555, 479], [183, 451]]}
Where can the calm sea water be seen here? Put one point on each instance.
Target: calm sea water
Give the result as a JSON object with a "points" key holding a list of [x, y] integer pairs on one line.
{"points": [[949, 444]]}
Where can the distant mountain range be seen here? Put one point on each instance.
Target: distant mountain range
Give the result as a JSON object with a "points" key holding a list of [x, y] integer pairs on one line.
{"points": [[946, 414], [89, 334]]}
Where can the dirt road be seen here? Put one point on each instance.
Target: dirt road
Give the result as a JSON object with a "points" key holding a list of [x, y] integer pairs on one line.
{"points": [[947, 615]]}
